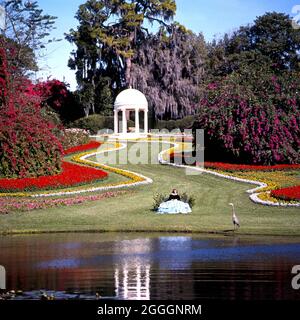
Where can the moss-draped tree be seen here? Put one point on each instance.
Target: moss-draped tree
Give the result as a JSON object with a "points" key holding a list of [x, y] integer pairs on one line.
{"points": [[107, 37], [169, 68]]}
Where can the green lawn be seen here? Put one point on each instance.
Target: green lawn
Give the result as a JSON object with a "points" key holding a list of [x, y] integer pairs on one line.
{"points": [[132, 212]]}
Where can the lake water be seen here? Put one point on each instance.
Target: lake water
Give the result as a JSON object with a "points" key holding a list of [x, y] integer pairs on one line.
{"points": [[143, 266]]}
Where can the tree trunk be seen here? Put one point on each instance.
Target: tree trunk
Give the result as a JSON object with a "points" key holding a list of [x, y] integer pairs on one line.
{"points": [[86, 111], [128, 72], [129, 64], [94, 89]]}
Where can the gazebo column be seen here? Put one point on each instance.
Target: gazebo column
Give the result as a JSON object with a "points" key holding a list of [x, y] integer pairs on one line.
{"points": [[146, 121], [137, 121], [124, 121], [116, 121]]}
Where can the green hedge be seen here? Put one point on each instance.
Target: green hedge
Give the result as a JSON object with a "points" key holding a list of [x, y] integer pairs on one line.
{"points": [[93, 123], [184, 123], [96, 122]]}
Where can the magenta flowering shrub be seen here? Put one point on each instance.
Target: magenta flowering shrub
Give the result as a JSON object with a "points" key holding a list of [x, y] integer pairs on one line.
{"points": [[53, 93], [252, 121], [28, 145]]}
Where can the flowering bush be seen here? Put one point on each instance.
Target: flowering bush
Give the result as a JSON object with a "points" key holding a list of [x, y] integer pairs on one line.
{"points": [[71, 175], [29, 146], [74, 137], [52, 92], [254, 121], [292, 193]]}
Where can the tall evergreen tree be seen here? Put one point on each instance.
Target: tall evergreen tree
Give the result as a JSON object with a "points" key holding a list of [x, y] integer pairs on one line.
{"points": [[270, 43]]}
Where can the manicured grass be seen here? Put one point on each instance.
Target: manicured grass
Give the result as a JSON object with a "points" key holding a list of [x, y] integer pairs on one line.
{"points": [[133, 212]]}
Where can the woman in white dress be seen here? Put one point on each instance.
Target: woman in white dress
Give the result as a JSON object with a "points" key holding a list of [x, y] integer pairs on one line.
{"points": [[174, 205]]}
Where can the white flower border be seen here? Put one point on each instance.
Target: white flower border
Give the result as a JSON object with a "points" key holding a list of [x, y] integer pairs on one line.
{"points": [[254, 193]]}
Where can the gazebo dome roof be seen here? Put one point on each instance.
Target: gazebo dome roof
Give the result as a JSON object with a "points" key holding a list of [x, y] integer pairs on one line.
{"points": [[131, 99]]}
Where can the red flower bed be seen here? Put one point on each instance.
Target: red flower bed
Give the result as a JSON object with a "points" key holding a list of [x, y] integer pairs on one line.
{"points": [[245, 167], [84, 147], [71, 175], [292, 193], [178, 157]]}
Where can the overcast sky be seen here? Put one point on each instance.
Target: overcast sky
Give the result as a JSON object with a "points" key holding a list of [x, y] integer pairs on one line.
{"points": [[211, 17]]}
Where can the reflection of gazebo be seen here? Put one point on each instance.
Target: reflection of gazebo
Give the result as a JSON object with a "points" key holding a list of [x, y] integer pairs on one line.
{"points": [[130, 100], [132, 281], [2, 278], [132, 271]]}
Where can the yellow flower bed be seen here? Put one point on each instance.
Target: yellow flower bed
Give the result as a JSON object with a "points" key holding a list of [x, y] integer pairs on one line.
{"points": [[16, 194], [266, 196], [274, 179]]}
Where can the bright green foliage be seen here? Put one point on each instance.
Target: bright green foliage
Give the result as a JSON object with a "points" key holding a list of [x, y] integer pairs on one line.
{"points": [[93, 123], [270, 43], [181, 124], [158, 198]]}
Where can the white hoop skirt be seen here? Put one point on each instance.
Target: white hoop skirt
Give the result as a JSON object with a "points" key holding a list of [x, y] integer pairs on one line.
{"points": [[174, 207]]}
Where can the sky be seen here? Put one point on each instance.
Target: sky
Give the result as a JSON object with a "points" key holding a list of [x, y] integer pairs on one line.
{"points": [[211, 17]]}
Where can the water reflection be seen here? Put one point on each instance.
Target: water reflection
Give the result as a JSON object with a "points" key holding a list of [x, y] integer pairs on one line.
{"points": [[132, 282], [152, 267], [132, 269]]}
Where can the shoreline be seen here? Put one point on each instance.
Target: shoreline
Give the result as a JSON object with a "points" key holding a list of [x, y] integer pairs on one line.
{"points": [[150, 231]]}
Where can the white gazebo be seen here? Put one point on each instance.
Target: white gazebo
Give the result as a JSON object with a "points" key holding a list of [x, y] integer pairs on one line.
{"points": [[130, 100]]}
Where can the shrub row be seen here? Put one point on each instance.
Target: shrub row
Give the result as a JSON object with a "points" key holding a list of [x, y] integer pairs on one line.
{"points": [[170, 125]]}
